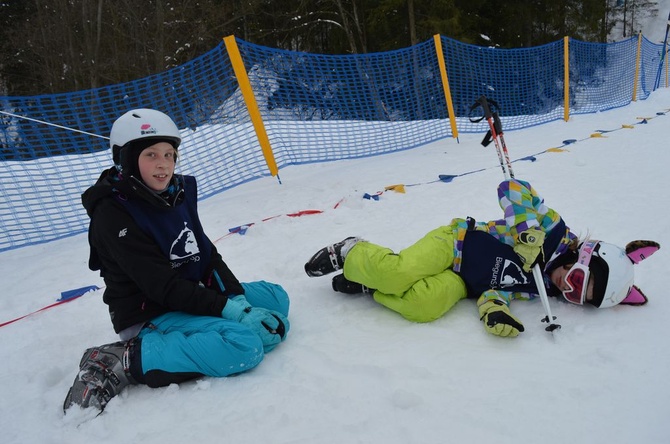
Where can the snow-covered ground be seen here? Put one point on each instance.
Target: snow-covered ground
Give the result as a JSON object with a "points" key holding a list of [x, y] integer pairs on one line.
{"points": [[352, 371]]}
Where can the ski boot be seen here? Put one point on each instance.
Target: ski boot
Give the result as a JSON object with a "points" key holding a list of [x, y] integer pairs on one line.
{"points": [[330, 258], [344, 285], [103, 372]]}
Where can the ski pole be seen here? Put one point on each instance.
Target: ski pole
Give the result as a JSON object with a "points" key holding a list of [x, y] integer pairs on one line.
{"points": [[495, 135], [663, 52]]}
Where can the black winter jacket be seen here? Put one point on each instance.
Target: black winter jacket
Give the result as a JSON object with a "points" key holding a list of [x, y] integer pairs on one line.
{"points": [[140, 280]]}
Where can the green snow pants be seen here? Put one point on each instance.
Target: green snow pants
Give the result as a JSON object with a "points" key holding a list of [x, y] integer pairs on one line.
{"points": [[417, 282]]}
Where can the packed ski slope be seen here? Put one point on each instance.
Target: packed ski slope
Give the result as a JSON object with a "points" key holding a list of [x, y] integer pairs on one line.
{"points": [[352, 371]]}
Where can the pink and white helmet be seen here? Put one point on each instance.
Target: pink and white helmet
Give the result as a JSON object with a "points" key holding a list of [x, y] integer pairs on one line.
{"points": [[612, 270]]}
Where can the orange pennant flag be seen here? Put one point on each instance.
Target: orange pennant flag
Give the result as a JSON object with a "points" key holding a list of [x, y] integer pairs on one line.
{"points": [[400, 188]]}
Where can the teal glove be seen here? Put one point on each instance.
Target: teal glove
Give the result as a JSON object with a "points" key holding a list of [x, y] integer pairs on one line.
{"points": [[278, 327], [235, 309], [498, 320], [529, 247], [271, 326]]}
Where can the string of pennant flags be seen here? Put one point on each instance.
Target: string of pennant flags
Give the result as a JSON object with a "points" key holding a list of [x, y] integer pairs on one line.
{"points": [[70, 295], [65, 297], [446, 178]]}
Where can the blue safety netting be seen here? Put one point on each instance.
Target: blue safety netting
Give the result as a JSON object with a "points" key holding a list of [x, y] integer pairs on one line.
{"points": [[309, 102], [314, 107]]}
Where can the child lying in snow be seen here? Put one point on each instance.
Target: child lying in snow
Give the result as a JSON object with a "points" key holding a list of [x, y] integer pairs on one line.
{"points": [[490, 260]]}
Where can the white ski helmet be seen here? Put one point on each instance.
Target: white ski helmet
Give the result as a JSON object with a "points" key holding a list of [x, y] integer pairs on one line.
{"points": [[611, 268], [142, 124], [613, 275]]}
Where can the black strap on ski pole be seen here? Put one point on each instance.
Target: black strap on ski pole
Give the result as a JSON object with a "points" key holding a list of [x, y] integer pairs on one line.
{"points": [[495, 135], [495, 132], [491, 117]]}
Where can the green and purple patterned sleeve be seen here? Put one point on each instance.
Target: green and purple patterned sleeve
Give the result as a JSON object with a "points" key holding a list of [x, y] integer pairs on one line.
{"points": [[524, 208]]}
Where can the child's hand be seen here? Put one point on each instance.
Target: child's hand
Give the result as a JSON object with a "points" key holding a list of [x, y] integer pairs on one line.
{"points": [[271, 326], [498, 320], [529, 248]]}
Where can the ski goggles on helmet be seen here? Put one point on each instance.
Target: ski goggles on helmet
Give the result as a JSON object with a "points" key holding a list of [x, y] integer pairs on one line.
{"points": [[577, 276]]}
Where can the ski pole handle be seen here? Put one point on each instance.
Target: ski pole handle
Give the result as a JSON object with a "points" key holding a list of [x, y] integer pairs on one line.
{"points": [[483, 101], [486, 109]]}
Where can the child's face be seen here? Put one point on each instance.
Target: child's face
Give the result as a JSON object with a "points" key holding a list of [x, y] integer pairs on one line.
{"points": [[156, 164], [558, 279]]}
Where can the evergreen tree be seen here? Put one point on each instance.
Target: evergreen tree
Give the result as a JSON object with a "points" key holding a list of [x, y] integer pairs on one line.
{"points": [[53, 46]]}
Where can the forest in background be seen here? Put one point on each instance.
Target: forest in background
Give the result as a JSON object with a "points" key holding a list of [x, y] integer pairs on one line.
{"points": [[53, 46]]}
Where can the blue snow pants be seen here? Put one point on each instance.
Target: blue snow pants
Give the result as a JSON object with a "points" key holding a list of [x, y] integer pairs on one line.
{"points": [[178, 346]]}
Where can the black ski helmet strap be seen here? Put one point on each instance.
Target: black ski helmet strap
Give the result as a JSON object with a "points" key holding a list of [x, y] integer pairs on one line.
{"points": [[600, 274]]}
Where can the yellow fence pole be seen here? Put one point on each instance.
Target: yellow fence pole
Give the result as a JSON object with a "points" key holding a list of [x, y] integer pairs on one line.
{"points": [[445, 84], [250, 101], [566, 78], [637, 65]]}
